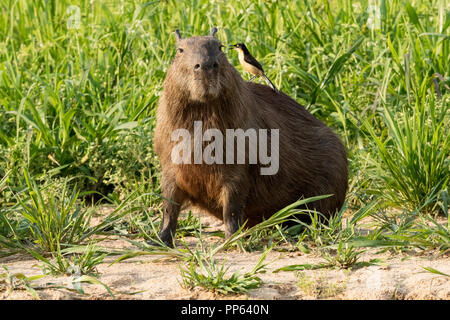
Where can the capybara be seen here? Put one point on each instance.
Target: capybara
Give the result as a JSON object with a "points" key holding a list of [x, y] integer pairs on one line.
{"points": [[201, 86]]}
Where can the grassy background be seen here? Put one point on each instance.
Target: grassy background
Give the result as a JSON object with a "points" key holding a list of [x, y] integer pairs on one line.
{"points": [[78, 100]]}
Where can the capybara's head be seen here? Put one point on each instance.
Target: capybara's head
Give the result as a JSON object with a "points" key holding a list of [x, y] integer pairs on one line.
{"points": [[199, 66]]}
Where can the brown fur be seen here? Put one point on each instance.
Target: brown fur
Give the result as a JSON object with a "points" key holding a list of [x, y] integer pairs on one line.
{"points": [[312, 159]]}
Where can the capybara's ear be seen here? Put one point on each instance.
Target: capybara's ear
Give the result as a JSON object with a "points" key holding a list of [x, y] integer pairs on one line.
{"points": [[178, 35], [213, 32]]}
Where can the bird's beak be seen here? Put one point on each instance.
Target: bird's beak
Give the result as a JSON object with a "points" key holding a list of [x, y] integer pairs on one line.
{"points": [[233, 46]]}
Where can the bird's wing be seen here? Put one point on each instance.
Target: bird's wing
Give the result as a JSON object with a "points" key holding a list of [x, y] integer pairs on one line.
{"points": [[249, 59]]}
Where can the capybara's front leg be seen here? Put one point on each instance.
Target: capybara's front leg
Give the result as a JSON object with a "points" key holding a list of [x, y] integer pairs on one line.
{"points": [[232, 218], [232, 211], [173, 197]]}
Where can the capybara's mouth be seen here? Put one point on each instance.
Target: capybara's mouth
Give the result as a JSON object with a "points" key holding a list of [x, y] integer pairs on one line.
{"points": [[207, 86], [206, 77]]}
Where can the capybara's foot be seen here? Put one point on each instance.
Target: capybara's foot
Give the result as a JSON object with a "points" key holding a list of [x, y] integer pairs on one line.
{"points": [[231, 227], [163, 240]]}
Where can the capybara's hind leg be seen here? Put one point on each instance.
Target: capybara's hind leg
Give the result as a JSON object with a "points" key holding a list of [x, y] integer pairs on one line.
{"points": [[173, 197]]}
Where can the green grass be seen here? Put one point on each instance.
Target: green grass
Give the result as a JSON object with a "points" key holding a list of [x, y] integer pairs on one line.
{"points": [[53, 219], [411, 155], [77, 264], [320, 288], [205, 271], [77, 114], [18, 281], [81, 102], [80, 266]]}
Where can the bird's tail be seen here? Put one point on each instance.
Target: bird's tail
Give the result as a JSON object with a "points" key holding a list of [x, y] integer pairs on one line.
{"points": [[270, 84]]}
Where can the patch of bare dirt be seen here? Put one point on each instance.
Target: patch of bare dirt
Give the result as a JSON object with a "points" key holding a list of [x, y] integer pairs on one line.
{"points": [[399, 276]]}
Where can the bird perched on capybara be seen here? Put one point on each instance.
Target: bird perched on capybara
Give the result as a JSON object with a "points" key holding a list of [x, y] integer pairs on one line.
{"points": [[203, 91]]}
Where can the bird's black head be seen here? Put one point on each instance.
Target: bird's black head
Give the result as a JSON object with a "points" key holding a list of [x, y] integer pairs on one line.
{"points": [[240, 46]]}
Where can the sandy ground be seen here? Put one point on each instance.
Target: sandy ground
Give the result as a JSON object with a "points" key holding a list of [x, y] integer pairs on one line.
{"points": [[400, 276]]}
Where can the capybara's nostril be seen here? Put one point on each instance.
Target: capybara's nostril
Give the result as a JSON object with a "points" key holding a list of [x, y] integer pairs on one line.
{"points": [[197, 66], [215, 65]]}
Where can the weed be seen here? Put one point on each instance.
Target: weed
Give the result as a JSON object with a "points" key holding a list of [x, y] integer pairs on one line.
{"points": [[206, 272], [81, 267], [345, 257], [432, 270], [78, 264], [18, 281], [53, 219], [319, 288], [413, 154]]}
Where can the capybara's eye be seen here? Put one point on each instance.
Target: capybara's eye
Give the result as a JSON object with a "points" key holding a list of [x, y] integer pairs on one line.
{"points": [[180, 50], [220, 47]]}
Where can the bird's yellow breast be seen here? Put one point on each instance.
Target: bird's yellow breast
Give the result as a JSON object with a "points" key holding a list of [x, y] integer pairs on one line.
{"points": [[247, 66]]}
